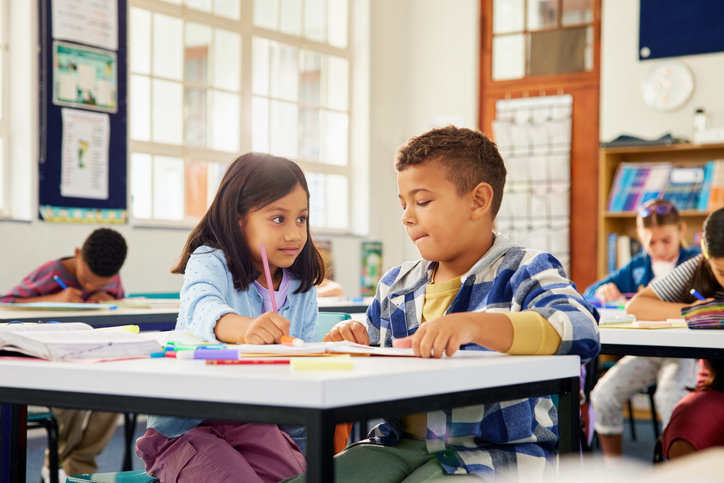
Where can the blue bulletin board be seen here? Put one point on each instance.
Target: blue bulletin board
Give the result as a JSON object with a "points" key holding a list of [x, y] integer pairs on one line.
{"points": [[83, 114], [672, 28]]}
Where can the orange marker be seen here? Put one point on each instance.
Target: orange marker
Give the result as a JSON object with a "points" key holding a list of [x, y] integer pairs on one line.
{"points": [[291, 341]]}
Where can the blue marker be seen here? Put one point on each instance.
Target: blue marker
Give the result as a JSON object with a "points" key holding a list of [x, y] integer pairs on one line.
{"points": [[696, 294], [60, 282]]}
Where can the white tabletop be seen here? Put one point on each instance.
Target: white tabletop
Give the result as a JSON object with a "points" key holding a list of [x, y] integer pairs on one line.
{"points": [[7, 314], [678, 337], [373, 379]]}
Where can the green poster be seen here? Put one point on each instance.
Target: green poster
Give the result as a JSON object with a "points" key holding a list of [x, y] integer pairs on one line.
{"points": [[84, 77], [371, 267]]}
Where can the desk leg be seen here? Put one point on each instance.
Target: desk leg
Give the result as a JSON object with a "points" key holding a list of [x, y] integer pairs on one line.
{"points": [[13, 442], [320, 448], [569, 418]]}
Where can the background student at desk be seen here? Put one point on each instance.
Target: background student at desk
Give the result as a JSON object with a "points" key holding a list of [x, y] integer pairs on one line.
{"points": [[698, 420], [661, 231], [90, 275]]}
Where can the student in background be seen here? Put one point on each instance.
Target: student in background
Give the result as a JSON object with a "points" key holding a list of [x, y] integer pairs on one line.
{"points": [[661, 232], [664, 299], [90, 275], [225, 297], [473, 290], [328, 288]]}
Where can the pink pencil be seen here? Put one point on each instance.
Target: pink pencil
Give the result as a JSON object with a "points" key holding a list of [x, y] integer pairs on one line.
{"points": [[269, 284]]}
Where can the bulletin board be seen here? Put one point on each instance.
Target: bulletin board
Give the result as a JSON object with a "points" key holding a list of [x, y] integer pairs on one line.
{"points": [[671, 28], [82, 170], [534, 138]]}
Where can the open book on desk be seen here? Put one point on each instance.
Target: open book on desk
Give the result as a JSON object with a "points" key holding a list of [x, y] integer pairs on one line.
{"points": [[74, 340], [318, 348]]}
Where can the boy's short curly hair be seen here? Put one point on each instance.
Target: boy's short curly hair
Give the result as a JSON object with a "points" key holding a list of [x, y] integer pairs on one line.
{"points": [[104, 251], [468, 158]]}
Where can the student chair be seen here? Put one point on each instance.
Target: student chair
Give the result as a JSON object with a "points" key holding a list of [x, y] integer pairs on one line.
{"points": [[654, 417], [45, 419], [327, 320], [122, 477]]}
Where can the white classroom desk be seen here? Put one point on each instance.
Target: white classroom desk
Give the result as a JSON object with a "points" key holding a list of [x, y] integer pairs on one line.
{"points": [[377, 386], [145, 318], [677, 342]]}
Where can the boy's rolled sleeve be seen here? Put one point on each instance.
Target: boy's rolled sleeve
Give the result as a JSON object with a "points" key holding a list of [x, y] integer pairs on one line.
{"points": [[203, 295], [542, 287], [532, 334]]}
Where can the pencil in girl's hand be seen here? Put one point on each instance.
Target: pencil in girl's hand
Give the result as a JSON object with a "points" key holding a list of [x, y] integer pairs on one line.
{"points": [[291, 341], [245, 362], [270, 285]]}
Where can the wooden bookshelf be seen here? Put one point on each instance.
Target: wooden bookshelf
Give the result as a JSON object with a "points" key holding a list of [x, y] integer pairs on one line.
{"points": [[625, 223]]}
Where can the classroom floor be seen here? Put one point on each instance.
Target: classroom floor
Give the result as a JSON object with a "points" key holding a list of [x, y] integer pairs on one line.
{"points": [[110, 460]]}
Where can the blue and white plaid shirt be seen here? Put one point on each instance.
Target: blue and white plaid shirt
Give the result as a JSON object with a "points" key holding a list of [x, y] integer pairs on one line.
{"points": [[516, 438]]}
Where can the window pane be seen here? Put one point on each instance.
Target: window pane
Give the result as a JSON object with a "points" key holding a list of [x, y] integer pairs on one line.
{"points": [[265, 14], [542, 14], [283, 129], [260, 66], [216, 172], [310, 77], [337, 210], [140, 110], [576, 11], [284, 71], [196, 53], [508, 16], [317, 199], [589, 49], [227, 60], [203, 5], [260, 124], [140, 37], [335, 127], [227, 8], [309, 134], [167, 115], [167, 46], [337, 22], [2, 174], [558, 51], [196, 186], [175, 2], [314, 20], [225, 129], [195, 109], [508, 57], [141, 180], [338, 83], [168, 188], [291, 17]]}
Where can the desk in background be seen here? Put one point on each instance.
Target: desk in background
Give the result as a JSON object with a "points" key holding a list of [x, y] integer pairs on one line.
{"points": [[679, 342], [376, 387], [146, 319]]}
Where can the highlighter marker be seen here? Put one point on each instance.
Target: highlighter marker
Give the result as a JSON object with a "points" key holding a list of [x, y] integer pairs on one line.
{"points": [[206, 354], [291, 341], [696, 294]]}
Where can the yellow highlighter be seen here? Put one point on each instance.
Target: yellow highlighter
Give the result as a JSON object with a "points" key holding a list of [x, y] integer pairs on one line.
{"points": [[333, 363]]}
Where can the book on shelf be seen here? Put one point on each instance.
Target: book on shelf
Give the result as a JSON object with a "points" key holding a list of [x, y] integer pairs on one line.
{"points": [[684, 187], [637, 183], [621, 249], [74, 340]]}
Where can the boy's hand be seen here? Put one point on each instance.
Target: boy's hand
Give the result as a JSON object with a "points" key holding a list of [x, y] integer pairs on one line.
{"points": [[99, 297], [350, 330], [608, 291], [69, 295], [442, 336], [268, 328]]}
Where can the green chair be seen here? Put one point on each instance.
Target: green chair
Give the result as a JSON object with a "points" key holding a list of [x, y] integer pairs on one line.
{"points": [[45, 419], [327, 320], [122, 477]]}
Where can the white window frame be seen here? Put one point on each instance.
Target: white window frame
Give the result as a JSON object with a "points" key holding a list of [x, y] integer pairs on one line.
{"points": [[247, 30], [5, 197]]}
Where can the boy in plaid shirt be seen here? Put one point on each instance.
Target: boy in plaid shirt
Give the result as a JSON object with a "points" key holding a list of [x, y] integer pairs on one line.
{"points": [[473, 290]]}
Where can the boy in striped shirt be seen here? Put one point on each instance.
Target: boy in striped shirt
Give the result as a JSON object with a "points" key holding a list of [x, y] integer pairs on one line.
{"points": [[472, 290], [90, 275]]}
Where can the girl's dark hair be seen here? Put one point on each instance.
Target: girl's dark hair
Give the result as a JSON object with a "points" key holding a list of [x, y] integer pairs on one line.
{"points": [[252, 181], [716, 376], [713, 247]]}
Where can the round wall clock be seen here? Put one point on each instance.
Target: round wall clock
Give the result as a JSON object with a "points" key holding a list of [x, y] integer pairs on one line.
{"points": [[667, 86]]}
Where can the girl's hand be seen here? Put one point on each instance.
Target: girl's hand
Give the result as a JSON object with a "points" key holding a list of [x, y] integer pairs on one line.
{"points": [[608, 291], [705, 301], [69, 295], [268, 328], [350, 330]]}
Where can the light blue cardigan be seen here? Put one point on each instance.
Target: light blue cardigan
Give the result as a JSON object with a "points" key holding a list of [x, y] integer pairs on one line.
{"points": [[207, 294]]}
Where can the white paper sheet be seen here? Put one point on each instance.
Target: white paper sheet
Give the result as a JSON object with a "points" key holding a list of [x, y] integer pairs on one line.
{"points": [[84, 156], [89, 22]]}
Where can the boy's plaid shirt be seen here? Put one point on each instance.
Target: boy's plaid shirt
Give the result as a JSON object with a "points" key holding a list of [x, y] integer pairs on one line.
{"points": [[516, 438]]}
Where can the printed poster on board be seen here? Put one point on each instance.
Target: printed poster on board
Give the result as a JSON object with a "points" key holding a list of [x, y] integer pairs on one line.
{"points": [[371, 267], [84, 77], [90, 22], [84, 154]]}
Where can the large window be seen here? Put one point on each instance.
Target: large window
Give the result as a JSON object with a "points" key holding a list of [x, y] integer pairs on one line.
{"points": [[4, 165], [210, 79]]}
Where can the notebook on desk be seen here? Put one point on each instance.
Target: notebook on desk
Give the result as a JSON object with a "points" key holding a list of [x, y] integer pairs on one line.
{"points": [[73, 340], [54, 306]]}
